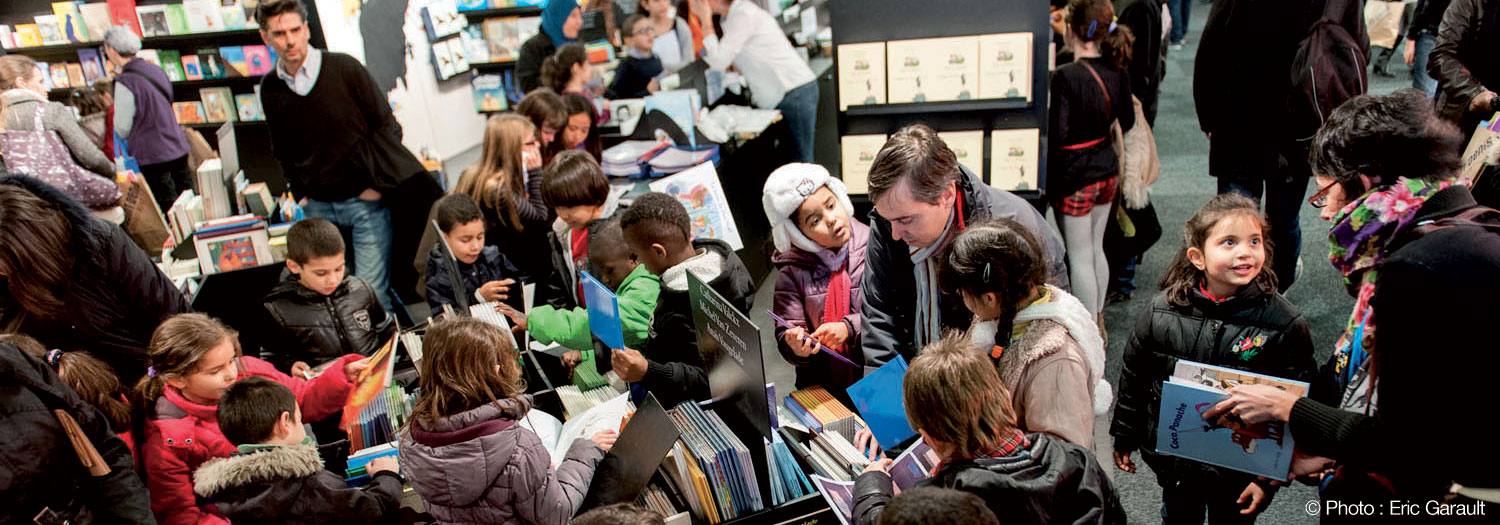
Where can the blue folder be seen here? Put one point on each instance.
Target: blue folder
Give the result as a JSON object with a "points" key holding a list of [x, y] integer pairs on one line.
{"points": [[604, 312], [879, 401]]}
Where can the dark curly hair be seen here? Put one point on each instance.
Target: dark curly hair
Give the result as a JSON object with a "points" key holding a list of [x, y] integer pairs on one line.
{"points": [[1384, 137]]}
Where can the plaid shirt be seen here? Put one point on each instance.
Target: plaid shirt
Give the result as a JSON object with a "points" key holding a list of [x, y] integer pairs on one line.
{"points": [[1007, 446]]}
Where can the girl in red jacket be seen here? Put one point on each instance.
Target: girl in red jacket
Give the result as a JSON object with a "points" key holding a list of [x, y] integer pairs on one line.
{"points": [[193, 360]]}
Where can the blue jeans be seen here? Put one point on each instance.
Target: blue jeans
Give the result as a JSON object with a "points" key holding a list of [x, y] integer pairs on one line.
{"points": [[1283, 204], [366, 226], [1180, 10], [1419, 77], [800, 109]]}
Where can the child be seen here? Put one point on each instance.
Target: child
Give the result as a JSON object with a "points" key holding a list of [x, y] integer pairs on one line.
{"points": [[1088, 96], [318, 312], [937, 506], [582, 132], [276, 476], [820, 252], [506, 184], [577, 190], [620, 514], [93, 380], [546, 111], [1218, 306], [635, 77], [194, 359], [484, 274], [956, 401], [658, 231], [1043, 342], [464, 452], [567, 70]]}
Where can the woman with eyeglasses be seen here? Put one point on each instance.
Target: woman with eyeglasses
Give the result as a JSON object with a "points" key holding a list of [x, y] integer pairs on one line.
{"points": [[1422, 259]]}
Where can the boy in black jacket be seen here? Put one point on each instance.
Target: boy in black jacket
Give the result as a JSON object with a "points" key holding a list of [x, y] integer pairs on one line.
{"points": [[277, 476], [485, 275], [658, 231]]}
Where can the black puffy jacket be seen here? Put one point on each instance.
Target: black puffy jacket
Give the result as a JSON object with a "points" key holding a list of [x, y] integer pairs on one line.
{"points": [[490, 266], [1053, 481], [1254, 331], [675, 370], [315, 328]]}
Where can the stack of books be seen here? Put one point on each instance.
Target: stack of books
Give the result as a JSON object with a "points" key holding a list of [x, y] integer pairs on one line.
{"points": [[356, 474], [788, 482], [577, 401], [817, 409], [378, 422], [185, 212], [712, 466]]}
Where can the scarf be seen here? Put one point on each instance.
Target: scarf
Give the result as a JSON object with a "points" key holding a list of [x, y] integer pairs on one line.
{"points": [[1357, 245], [929, 319], [1064, 309], [553, 17]]}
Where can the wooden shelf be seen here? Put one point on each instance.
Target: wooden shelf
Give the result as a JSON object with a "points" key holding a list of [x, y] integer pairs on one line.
{"points": [[951, 106], [525, 10]]}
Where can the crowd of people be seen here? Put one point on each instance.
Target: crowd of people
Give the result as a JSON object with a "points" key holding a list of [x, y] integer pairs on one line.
{"points": [[122, 406]]}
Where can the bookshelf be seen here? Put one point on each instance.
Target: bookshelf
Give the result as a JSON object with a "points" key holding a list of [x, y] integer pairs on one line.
{"points": [[69, 52], [482, 14], [492, 66]]}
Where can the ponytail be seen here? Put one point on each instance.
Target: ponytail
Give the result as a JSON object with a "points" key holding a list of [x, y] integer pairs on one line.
{"points": [[1117, 45], [176, 347], [557, 70], [1094, 21]]}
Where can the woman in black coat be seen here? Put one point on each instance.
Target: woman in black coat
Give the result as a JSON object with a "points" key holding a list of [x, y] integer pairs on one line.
{"points": [[77, 282]]}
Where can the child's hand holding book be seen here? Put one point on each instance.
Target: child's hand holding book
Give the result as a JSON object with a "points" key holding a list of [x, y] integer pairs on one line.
{"points": [[495, 291], [383, 464]]}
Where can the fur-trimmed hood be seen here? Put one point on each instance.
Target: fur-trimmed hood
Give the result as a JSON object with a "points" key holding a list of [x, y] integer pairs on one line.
{"points": [[280, 463]]}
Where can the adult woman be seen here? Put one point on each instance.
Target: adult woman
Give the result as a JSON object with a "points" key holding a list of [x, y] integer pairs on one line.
{"points": [[506, 182], [779, 78], [25, 99], [143, 117], [674, 40], [76, 282], [561, 20], [1385, 166]]}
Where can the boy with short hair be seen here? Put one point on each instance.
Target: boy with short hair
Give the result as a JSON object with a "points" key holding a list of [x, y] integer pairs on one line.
{"points": [[635, 77], [277, 475], [658, 231], [937, 506], [575, 187], [483, 272], [955, 400], [319, 313]]}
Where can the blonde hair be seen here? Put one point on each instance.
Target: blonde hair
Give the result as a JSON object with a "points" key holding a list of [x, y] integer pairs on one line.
{"points": [[497, 181], [459, 371], [954, 394], [13, 69]]}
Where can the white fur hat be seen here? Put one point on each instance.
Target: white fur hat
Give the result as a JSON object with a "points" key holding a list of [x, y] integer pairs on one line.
{"points": [[785, 190]]}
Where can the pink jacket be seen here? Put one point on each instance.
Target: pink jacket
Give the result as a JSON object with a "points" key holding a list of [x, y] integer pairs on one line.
{"points": [[181, 435]]}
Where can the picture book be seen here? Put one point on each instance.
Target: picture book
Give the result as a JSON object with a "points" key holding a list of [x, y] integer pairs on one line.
{"points": [[442, 61], [1263, 449], [46, 70], [1221, 378], [234, 59], [211, 63], [258, 60], [177, 19], [95, 19], [203, 16], [75, 75], [190, 67], [150, 56], [233, 251], [878, 398], [370, 383], [489, 93], [858, 153], [70, 22], [503, 37], [1005, 66], [59, 74], [1013, 158], [441, 19], [153, 19], [234, 17], [122, 13], [699, 190], [93, 66], [968, 146], [249, 108], [474, 44], [840, 496], [171, 63], [218, 104], [472, 5], [188, 112], [679, 105], [913, 465], [28, 35], [604, 312], [7, 37], [51, 33], [861, 74]]}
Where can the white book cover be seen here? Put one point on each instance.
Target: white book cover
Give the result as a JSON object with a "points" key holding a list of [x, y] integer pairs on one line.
{"points": [[861, 74], [1005, 66], [968, 146], [203, 16], [699, 190], [1013, 159], [858, 154]]}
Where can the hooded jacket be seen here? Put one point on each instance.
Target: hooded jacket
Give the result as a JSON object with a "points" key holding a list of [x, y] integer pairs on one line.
{"points": [[802, 293], [115, 296], [288, 485], [315, 328], [890, 295], [182, 435], [675, 369], [1051, 481], [490, 266], [480, 466], [570, 327]]}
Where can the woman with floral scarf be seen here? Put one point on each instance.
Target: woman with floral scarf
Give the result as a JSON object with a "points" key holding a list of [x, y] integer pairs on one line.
{"points": [[1419, 256]]}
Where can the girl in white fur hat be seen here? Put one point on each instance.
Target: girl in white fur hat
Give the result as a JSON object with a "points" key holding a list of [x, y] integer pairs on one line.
{"points": [[820, 252]]}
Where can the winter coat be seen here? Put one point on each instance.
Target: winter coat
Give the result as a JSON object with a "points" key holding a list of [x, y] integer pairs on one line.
{"points": [[890, 294], [675, 369], [1146, 70], [287, 484], [39, 468], [1463, 62], [490, 266], [527, 248], [1048, 377], [1080, 112], [316, 328], [570, 327], [20, 115], [1253, 330], [802, 292], [182, 435], [1052, 481], [115, 296], [561, 290], [480, 466]]}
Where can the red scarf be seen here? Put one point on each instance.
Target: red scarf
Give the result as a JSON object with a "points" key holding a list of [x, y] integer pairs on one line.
{"points": [[580, 246], [836, 304]]}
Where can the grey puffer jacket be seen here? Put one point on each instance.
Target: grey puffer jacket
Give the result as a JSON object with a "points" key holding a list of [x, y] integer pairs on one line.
{"points": [[480, 466], [20, 115]]}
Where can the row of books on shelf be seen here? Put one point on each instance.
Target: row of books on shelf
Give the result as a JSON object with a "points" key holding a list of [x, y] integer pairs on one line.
{"points": [[211, 62], [78, 22], [443, 18], [480, 5], [219, 104], [712, 466], [496, 40], [64, 75], [1013, 166], [935, 69]]}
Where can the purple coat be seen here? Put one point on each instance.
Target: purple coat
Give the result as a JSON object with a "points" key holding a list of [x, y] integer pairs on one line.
{"points": [[801, 292], [480, 466]]}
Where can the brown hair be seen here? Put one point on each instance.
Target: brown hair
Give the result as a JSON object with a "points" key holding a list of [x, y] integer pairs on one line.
{"points": [[177, 346], [954, 394], [545, 109], [269, 9], [1182, 278], [557, 70], [1094, 21], [312, 238], [497, 181], [35, 254], [93, 381], [15, 68], [459, 369], [999, 256], [914, 154]]}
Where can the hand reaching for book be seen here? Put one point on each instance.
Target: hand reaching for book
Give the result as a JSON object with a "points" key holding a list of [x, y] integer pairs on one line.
{"points": [[865, 442], [1254, 404], [605, 439], [495, 291], [629, 364], [571, 358], [302, 370], [353, 369], [517, 319], [384, 464], [881, 465]]}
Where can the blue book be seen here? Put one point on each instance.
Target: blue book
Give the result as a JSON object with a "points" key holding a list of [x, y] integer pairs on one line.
{"points": [[473, 5], [879, 401], [604, 312], [1263, 450]]}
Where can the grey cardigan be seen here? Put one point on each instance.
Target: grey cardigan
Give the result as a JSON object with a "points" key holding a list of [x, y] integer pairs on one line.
{"points": [[19, 114]]}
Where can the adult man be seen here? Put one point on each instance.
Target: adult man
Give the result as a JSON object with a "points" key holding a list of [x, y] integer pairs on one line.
{"points": [[334, 134], [923, 198], [143, 117]]}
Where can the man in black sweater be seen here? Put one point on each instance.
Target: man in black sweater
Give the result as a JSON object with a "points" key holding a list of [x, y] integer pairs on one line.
{"points": [[334, 134]]}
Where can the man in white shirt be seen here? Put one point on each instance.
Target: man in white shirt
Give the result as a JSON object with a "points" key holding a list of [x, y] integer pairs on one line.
{"points": [[779, 78]]}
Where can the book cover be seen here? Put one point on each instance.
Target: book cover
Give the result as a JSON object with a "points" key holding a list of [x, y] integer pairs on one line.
{"points": [[203, 16], [503, 38], [698, 188], [93, 65], [1223, 379], [968, 146], [75, 75], [680, 105], [370, 383], [177, 19], [7, 37], [236, 251], [70, 22], [218, 104], [28, 35], [59, 73], [188, 112], [257, 60], [171, 63], [861, 74], [840, 496], [234, 61], [249, 7], [190, 67], [95, 19], [150, 56], [51, 33], [441, 19], [1013, 158], [211, 63], [442, 61], [473, 5], [234, 17], [153, 19], [249, 107], [475, 44], [489, 93], [122, 13], [46, 70], [604, 312], [878, 399], [858, 153], [1264, 449], [497, 4], [459, 54], [1005, 66]]}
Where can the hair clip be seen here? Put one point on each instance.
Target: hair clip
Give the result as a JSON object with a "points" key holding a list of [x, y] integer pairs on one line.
{"points": [[150, 371], [54, 356], [1112, 26], [1092, 26], [986, 273]]}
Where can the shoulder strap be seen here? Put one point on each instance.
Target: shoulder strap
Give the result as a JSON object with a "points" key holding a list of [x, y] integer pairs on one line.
{"points": [[153, 83], [1109, 106]]}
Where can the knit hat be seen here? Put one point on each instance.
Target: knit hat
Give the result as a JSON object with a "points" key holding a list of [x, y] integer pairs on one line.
{"points": [[785, 190], [122, 40]]}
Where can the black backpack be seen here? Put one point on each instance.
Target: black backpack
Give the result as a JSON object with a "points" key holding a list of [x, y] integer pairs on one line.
{"points": [[1329, 67]]}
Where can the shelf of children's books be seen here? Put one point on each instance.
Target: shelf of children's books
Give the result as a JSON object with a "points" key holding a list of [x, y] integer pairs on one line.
{"points": [[484, 66], [997, 104], [189, 84], [235, 36], [216, 125], [525, 10]]}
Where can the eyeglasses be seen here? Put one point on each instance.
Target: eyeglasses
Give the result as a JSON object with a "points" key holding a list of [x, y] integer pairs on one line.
{"points": [[1320, 199]]}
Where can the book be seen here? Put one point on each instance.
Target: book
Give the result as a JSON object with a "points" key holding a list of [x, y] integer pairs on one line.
{"points": [[123, 13], [177, 19], [59, 75], [604, 312], [95, 19], [258, 198], [840, 496], [7, 37], [369, 385], [171, 63], [858, 154], [472, 5], [28, 35], [70, 22], [212, 64], [218, 104], [1263, 449], [1013, 158], [1005, 66], [679, 105], [698, 188], [210, 179], [190, 67], [189, 112], [878, 397], [153, 20], [489, 92], [968, 146], [150, 56], [475, 45], [46, 70], [51, 33], [75, 75], [203, 16], [503, 38], [234, 61], [442, 61], [234, 17], [258, 60], [861, 74], [441, 20], [248, 105], [93, 66]]}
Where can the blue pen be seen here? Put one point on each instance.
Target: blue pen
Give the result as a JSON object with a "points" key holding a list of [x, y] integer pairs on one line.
{"points": [[821, 347]]}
